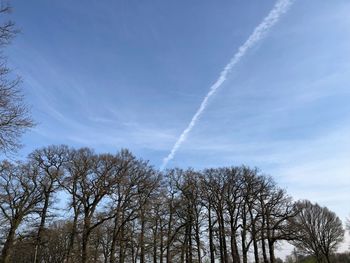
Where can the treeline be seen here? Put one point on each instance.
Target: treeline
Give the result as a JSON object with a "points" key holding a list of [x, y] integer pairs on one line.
{"points": [[295, 257], [73, 205]]}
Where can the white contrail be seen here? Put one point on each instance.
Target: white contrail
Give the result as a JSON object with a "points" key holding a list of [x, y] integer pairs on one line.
{"points": [[259, 32]]}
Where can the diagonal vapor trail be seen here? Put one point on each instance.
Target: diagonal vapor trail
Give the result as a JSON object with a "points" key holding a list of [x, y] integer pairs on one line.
{"points": [[259, 32]]}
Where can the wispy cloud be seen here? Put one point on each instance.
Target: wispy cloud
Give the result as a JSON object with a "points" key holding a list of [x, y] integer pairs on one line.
{"points": [[259, 32], [315, 168]]}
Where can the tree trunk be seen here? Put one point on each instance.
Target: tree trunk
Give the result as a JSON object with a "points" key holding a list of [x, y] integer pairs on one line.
{"points": [[5, 254], [85, 240], [211, 241], [142, 237], [222, 238], [255, 242], [114, 241], [122, 245], [244, 249], [42, 225], [190, 247], [70, 247], [234, 248], [263, 247], [271, 251], [244, 235], [263, 244], [168, 255], [198, 241], [256, 250], [161, 244], [155, 233]]}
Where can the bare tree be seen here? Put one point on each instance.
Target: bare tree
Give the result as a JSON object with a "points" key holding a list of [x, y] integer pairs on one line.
{"points": [[74, 169], [15, 118], [190, 214], [216, 187], [136, 182], [145, 191], [49, 162], [20, 196], [96, 177], [318, 230], [277, 210], [123, 210], [233, 203], [173, 227]]}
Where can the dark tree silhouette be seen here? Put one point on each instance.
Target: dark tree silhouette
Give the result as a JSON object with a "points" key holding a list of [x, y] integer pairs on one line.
{"points": [[15, 118], [20, 196], [121, 209], [318, 230]]}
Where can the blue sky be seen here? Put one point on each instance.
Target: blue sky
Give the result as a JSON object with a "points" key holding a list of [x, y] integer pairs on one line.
{"points": [[131, 74]]}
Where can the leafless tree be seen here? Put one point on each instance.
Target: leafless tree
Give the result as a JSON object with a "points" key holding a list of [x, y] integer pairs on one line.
{"points": [[121, 209], [234, 200], [137, 183], [74, 168], [15, 118], [277, 209], [319, 231], [208, 201], [20, 196], [95, 179], [173, 226], [216, 185], [190, 214], [49, 161]]}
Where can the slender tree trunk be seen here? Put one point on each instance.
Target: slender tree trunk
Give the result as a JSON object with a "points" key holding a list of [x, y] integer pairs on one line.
{"points": [[5, 254], [256, 249], [198, 241], [70, 247], [222, 226], [221, 240], [114, 241], [234, 248], [142, 237], [263, 244], [155, 234], [85, 240], [271, 251], [190, 247], [170, 222], [244, 249], [84, 255], [161, 252], [244, 237], [42, 225], [211, 241], [255, 242], [270, 242], [263, 247], [122, 245]]}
